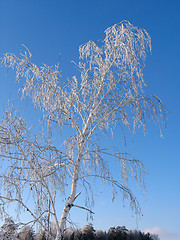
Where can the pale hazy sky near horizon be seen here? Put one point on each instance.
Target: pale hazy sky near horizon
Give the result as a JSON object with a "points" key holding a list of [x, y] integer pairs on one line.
{"points": [[53, 31]]}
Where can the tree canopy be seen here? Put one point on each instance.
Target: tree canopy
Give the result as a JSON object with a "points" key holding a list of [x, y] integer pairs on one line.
{"points": [[106, 95]]}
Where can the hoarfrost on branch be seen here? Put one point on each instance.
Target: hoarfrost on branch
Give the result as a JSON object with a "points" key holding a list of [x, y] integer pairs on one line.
{"points": [[106, 94]]}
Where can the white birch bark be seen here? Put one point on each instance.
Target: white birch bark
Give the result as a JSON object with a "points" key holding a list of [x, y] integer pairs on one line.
{"points": [[69, 202], [71, 198]]}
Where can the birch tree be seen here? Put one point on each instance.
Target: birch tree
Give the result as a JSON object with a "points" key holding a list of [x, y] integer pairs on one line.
{"points": [[105, 96]]}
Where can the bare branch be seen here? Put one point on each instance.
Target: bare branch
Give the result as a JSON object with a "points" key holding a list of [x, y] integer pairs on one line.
{"points": [[73, 205]]}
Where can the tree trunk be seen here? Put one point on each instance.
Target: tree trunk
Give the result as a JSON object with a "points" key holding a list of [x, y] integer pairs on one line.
{"points": [[69, 202]]}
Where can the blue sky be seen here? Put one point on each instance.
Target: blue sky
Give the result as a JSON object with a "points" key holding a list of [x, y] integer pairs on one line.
{"points": [[53, 30]]}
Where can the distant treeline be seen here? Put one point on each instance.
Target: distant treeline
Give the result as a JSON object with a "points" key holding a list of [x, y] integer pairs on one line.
{"points": [[10, 231]]}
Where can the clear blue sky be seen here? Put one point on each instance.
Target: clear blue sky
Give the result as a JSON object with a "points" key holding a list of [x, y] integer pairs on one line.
{"points": [[53, 30]]}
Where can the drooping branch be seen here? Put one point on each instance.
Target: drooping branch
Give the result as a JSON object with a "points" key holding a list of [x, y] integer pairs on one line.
{"points": [[126, 191], [36, 219]]}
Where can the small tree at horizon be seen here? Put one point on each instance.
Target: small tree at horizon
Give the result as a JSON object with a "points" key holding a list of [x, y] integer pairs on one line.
{"points": [[106, 96]]}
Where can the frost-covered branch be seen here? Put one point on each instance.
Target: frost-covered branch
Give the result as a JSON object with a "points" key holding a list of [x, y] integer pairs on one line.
{"points": [[107, 96]]}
